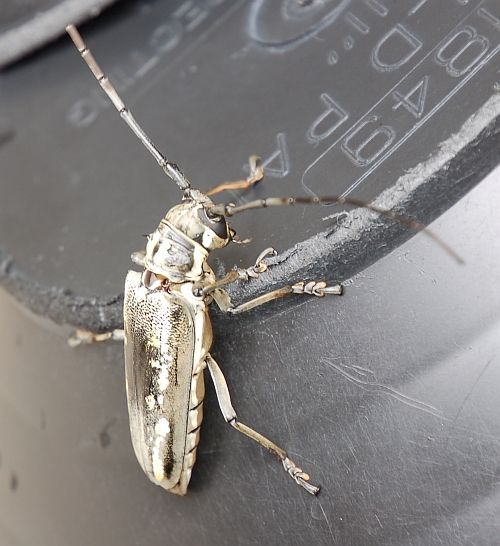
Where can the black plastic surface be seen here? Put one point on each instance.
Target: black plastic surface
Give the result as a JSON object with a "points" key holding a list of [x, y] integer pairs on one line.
{"points": [[387, 396]]}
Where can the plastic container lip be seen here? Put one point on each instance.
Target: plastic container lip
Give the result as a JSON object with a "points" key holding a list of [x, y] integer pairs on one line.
{"points": [[23, 31]]}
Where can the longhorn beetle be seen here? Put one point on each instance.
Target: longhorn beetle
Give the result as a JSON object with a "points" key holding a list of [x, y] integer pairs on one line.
{"points": [[167, 330]]}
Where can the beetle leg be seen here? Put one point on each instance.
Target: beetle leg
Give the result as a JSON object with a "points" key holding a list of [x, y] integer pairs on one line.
{"points": [[84, 337], [236, 274], [201, 289], [311, 288], [224, 398], [260, 265], [256, 175]]}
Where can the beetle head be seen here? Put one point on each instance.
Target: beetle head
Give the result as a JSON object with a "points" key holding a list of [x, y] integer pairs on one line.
{"points": [[194, 219], [179, 247]]}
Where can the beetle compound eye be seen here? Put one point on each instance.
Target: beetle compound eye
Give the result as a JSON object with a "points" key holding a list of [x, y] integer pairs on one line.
{"points": [[215, 222]]}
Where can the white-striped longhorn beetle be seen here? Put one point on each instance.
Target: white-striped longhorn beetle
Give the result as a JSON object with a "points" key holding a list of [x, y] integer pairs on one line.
{"points": [[167, 330]]}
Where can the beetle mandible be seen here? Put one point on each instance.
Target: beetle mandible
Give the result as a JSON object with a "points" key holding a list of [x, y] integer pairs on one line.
{"points": [[167, 330]]}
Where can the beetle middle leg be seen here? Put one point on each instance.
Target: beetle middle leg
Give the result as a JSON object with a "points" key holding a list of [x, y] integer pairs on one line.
{"points": [[297, 474], [311, 288]]}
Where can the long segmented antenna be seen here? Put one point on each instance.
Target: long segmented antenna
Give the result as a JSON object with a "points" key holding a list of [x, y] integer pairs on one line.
{"points": [[231, 209], [170, 169]]}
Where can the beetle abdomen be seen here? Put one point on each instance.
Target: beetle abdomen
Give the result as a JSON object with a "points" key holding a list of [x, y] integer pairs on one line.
{"points": [[164, 382], [195, 417]]}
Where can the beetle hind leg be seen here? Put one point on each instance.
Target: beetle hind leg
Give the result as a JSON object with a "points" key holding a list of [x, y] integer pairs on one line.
{"points": [[224, 398], [85, 337]]}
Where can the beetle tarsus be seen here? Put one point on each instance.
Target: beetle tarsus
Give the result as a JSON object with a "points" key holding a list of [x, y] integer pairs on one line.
{"points": [[317, 288], [299, 476]]}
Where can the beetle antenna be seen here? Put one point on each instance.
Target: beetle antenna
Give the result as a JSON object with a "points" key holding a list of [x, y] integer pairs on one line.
{"points": [[231, 209], [170, 169]]}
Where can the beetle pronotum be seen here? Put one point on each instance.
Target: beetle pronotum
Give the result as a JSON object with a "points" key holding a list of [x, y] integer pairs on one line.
{"points": [[167, 330]]}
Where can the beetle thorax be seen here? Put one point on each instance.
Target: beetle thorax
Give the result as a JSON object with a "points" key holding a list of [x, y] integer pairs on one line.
{"points": [[178, 249], [171, 254]]}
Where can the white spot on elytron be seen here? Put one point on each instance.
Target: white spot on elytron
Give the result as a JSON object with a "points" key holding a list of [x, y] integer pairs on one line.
{"points": [[155, 364], [162, 427], [163, 380], [150, 401], [158, 469], [154, 341], [160, 399]]}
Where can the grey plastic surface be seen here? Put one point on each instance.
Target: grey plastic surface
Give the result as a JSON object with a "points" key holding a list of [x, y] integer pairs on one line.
{"points": [[388, 396]]}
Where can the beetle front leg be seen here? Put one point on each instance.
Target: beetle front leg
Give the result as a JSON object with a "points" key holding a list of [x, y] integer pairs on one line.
{"points": [[85, 337], [256, 175], [236, 274], [224, 398]]}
